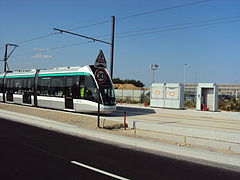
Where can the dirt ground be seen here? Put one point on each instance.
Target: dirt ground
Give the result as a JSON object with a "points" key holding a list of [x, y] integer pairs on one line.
{"points": [[87, 122]]}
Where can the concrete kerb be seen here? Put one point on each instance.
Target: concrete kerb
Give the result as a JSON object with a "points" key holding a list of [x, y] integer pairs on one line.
{"points": [[210, 158], [190, 132], [215, 135]]}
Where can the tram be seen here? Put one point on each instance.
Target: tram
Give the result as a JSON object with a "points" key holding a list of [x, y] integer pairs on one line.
{"points": [[77, 89]]}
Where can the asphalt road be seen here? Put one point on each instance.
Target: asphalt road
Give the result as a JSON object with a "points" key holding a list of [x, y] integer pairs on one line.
{"points": [[28, 152]]}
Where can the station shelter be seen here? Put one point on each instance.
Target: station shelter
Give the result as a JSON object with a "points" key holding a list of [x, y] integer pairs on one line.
{"points": [[207, 97]]}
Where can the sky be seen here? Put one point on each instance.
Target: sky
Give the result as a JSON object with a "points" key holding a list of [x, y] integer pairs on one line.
{"points": [[198, 38]]}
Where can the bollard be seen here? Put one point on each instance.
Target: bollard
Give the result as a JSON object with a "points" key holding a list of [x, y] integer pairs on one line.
{"points": [[134, 127], [125, 124]]}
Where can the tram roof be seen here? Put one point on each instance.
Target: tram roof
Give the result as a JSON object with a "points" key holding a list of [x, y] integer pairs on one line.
{"points": [[77, 69]]}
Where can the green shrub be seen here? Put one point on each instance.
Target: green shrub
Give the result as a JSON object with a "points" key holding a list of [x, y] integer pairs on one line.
{"points": [[190, 104], [229, 105]]}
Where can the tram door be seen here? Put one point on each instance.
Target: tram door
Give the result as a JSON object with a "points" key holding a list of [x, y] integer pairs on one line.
{"points": [[27, 85], [69, 93]]}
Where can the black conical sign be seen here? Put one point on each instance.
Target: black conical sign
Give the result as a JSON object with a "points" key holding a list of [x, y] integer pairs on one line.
{"points": [[100, 61]]}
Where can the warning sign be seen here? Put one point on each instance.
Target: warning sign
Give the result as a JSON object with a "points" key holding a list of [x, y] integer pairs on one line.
{"points": [[101, 76], [100, 61]]}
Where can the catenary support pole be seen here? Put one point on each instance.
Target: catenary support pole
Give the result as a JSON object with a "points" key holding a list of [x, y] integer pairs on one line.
{"points": [[6, 55], [5, 58], [98, 115], [112, 47]]}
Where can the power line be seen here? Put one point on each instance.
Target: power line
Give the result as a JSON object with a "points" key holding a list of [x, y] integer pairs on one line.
{"points": [[180, 28], [121, 18], [37, 38], [170, 26], [54, 33], [90, 25], [163, 9], [141, 34], [176, 25], [52, 49], [140, 14], [70, 45]]}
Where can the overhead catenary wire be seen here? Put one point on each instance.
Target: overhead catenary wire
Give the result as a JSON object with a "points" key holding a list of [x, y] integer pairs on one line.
{"points": [[171, 26], [179, 28], [89, 25], [140, 14], [167, 29], [164, 29], [162, 9], [53, 48], [37, 38], [181, 24], [117, 19]]}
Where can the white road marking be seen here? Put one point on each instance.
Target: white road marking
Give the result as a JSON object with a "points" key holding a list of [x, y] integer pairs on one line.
{"points": [[98, 170]]}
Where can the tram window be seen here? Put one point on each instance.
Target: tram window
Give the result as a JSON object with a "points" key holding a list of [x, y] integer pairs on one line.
{"points": [[17, 85], [27, 85], [44, 86], [57, 86], [108, 95], [90, 89], [81, 87], [107, 91]]}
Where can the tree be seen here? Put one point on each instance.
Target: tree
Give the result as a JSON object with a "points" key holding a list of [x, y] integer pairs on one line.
{"points": [[128, 81], [117, 81]]}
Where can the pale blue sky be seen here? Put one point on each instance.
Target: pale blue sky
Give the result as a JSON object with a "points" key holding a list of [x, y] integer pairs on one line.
{"points": [[212, 52]]}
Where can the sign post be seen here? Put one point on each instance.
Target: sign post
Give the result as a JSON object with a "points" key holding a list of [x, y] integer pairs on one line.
{"points": [[101, 77], [98, 119]]}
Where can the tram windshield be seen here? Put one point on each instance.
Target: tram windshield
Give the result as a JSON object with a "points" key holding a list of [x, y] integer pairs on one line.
{"points": [[108, 95], [105, 86]]}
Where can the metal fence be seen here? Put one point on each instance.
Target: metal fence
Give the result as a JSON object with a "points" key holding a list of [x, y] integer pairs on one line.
{"points": [[133, 96]]}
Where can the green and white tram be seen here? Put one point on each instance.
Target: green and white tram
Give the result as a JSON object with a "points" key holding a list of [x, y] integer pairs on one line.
{"points": [[78, 89]]}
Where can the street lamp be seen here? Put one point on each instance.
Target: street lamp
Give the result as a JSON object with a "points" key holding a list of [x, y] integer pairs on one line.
{"points": [[184, 74], [153, 67]]}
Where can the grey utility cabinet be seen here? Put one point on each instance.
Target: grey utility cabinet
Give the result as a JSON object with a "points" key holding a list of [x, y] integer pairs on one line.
{"points": [[167, 95]]}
